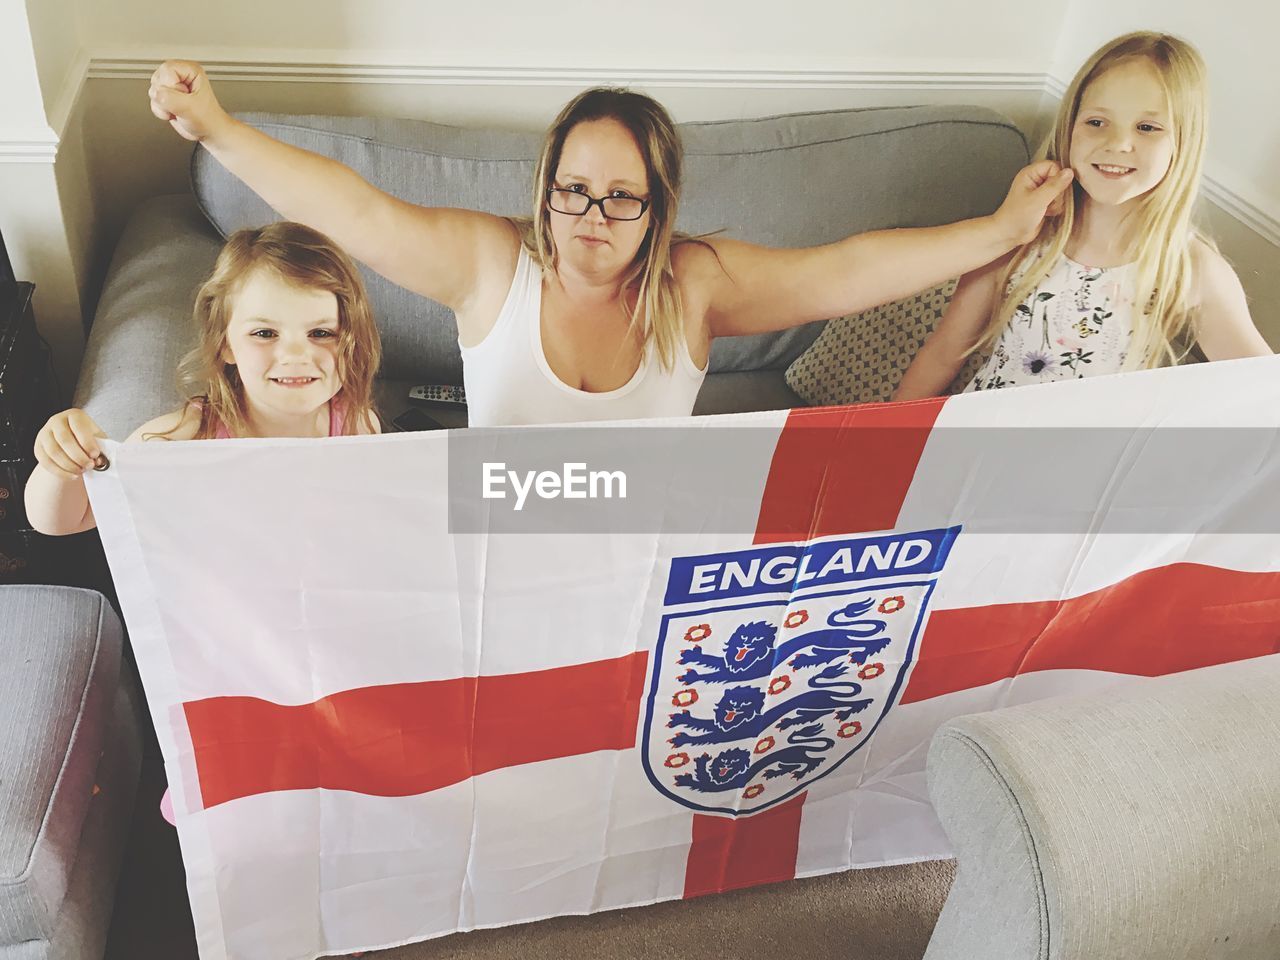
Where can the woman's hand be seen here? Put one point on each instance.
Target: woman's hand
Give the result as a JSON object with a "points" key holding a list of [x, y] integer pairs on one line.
{"points": [[67, 445], [1036, 192], [182, 94]]}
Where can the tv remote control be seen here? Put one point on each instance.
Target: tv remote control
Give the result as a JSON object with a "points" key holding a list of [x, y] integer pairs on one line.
{"points": [[438, 393]]}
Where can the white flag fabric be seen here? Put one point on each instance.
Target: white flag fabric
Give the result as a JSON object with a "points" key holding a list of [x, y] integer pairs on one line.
{"points": [[413, 684]]}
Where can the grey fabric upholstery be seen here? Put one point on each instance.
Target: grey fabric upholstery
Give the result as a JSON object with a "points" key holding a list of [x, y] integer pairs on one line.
{"points": [[81, 927], [1142, 823], [794, 180], [739, 392], [143, 324], [70, 734]]}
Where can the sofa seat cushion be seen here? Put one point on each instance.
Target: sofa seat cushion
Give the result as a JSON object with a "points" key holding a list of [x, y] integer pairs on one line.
{"points": [[59, 671]]}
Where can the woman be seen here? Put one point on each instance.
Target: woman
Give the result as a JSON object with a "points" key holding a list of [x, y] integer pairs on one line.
{"points": [[594, 309]]}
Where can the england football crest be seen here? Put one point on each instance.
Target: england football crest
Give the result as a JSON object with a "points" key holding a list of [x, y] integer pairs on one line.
{"points": [[774, 665]]}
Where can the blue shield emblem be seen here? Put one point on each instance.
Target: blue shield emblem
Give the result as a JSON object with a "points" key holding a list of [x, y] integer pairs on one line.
{"points": [[787, 670]]}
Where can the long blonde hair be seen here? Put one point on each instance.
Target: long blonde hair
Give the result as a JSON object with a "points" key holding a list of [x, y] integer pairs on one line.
{"points": [[1162, 231], [657, 313], [307, 259]]}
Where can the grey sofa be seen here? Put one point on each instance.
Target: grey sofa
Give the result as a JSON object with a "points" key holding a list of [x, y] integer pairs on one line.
{"points": [[69, 768], [1143, 823]]}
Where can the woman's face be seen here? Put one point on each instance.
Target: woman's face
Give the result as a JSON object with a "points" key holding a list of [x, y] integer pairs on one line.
{"points": [[599, 158]]}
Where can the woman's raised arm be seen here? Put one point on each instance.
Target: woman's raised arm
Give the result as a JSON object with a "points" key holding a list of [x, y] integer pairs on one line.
{"points": [[439, 253], [761, 289]]}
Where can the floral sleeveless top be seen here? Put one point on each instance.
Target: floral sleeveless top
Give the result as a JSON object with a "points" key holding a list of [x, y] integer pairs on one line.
{"points": [[1077, 323]]}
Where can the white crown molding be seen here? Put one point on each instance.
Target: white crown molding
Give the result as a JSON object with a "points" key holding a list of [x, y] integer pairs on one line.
{"points": [[320, 72], [40, 144], [1248, 213], [28, 145]]}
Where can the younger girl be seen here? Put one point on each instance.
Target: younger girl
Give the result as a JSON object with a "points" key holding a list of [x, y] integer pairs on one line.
{"points": [[287, 348], [1118, 279]]}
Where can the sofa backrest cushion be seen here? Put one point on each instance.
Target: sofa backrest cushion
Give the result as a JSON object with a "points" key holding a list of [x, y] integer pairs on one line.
{"points": [[793, 180]]}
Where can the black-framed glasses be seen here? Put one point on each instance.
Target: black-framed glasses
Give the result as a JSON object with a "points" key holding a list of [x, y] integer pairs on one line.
{"points": [[576, 204]]}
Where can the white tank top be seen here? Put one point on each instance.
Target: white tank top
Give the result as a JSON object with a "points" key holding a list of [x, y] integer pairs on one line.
{"points": [[508, 380]]}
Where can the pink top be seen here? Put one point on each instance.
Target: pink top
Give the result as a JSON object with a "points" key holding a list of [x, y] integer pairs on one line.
{"points": [[336, 422]]}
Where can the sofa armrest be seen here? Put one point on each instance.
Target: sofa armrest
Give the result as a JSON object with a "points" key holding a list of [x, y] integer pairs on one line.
{"points": [[143, 323], [1141, 823]]}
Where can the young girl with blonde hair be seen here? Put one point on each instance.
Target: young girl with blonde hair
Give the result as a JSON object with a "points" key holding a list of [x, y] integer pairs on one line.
{"points": [[287, 347], [1118, 278]]}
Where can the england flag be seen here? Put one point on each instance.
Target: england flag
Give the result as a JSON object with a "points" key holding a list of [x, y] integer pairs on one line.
{"points": [[414, 684]]}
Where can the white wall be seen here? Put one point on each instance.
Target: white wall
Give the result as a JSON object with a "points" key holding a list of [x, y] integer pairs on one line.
{"points": [[911, 35], [55, 37], [22, 117]]}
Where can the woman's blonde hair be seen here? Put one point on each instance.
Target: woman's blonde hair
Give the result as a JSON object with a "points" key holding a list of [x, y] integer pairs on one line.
{"points": [[1161, 229], [306, 259], [657, 312]]}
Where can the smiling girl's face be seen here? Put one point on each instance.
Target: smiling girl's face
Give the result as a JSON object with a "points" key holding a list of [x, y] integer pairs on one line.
{"points": [[1123, 138], [283, 340]]}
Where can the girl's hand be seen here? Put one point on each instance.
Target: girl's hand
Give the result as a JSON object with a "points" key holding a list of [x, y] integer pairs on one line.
{"points": [[182, 94], [67, 445], [1036, 193]]}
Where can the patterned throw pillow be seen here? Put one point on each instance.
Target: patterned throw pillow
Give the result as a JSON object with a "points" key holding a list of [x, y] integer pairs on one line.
{"points": [[861, 358]]}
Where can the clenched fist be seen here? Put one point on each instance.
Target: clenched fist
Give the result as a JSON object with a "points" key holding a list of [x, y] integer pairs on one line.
{"points": [[182, 94]]}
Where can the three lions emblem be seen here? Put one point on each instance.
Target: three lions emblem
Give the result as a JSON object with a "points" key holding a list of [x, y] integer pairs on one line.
{"points": [[772, 682]]}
